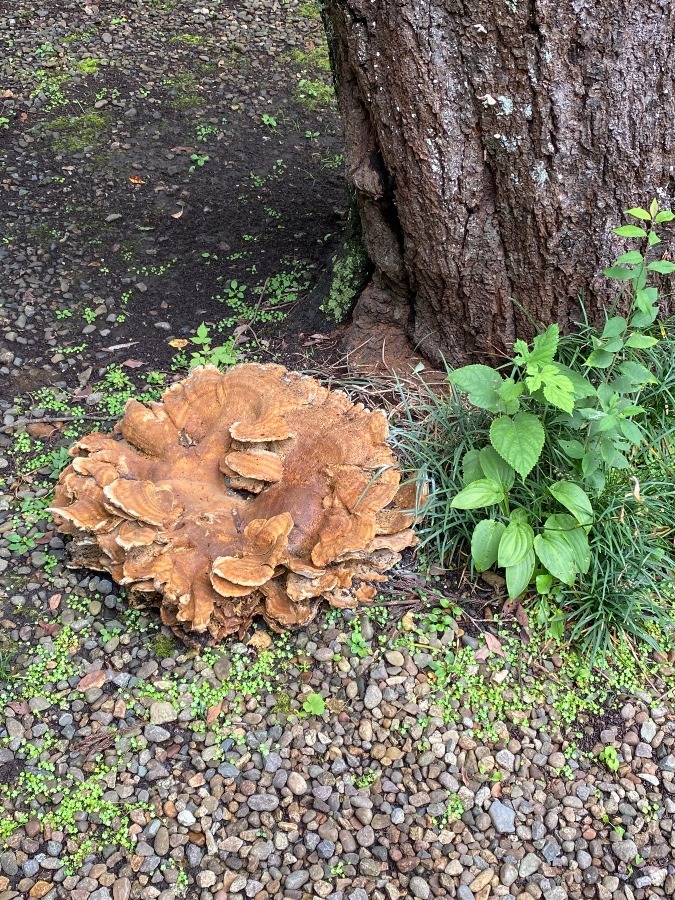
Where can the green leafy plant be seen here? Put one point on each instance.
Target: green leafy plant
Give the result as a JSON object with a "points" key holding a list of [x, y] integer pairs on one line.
{"points": [[269, 121], [199, 160], [223, 355], [314, 705], [578, 425], [610, 758]]}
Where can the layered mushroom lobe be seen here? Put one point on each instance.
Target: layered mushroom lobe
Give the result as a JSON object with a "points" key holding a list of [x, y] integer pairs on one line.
{"points": [[254, 491]]}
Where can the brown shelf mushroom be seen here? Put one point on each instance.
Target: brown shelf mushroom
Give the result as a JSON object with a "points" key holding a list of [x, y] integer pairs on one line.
{"points": [[254, 491]]}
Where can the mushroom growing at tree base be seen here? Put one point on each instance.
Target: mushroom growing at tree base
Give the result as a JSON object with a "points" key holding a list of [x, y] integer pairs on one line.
{"points": [[250, 492]]}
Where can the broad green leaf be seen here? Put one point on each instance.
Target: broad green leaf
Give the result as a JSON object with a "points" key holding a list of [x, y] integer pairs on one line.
{"points": [[630, 231], [632, 258], [544, 583], [573, 498], [646, 297], [518, 440], [653, 239], [519, 576], [484, 543], [515, 544], [589, 463], [573, 449], [613, 345], [614, 327], [480, 384], [611, 455], [581, 385], [576, 537], [664, 216], [600, 359], [631, 431], [545, 346], [509, 391], [619, 273], [663, 266], [496, 469], [558, 389], [471, 470], [644, 318], [638, 373], [555, 554], [639, 213], [479, 494], [640, 341]]}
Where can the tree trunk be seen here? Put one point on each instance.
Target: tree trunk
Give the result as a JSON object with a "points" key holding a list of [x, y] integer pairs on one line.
{"points": [[493, 145]]}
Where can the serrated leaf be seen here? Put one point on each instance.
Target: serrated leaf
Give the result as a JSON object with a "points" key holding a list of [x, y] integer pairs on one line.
{"points": [[521, 352], [614, 327], [631, 258], [545, 346], [574, 535], [638, 213], [515, 544], [638, 373], [600, 359], [630, 231], [518, 440], [663, 266], [480, 384], [478, 494], [558, 389], [471, 470], [485, 542], [496, 469], [519, 576], [664, 216], [640, 341], [573, 449], [619, 273], [576, 500], [510, 390]]}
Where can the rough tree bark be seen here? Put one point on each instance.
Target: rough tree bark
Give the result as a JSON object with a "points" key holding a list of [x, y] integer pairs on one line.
{"points": [[492, 145]]}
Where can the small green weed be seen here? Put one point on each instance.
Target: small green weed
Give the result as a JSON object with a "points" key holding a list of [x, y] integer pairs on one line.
{"points": [[314, 705]]}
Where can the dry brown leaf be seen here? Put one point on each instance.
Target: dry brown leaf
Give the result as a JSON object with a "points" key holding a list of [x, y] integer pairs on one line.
{"points": [[494, 644], [213, 712], [178, 343], [91, 680], [260, 640], [178, 214], [41, 430], [54, 601], [136, 179], [133, 363]]}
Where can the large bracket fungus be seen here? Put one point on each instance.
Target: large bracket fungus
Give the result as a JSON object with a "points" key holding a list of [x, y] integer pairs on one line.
{"points": [[254, 491]]}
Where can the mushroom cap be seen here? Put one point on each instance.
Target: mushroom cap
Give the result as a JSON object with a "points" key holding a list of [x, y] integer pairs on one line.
{"points": [[254, 491]]}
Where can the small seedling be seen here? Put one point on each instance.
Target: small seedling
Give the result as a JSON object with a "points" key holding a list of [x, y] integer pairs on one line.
{"points": [[314, 705], [269, 121], [199, 161], [610, 758]]}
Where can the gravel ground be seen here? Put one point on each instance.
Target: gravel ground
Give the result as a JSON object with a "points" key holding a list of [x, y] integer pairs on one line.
{"points": [[132, 768]]}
